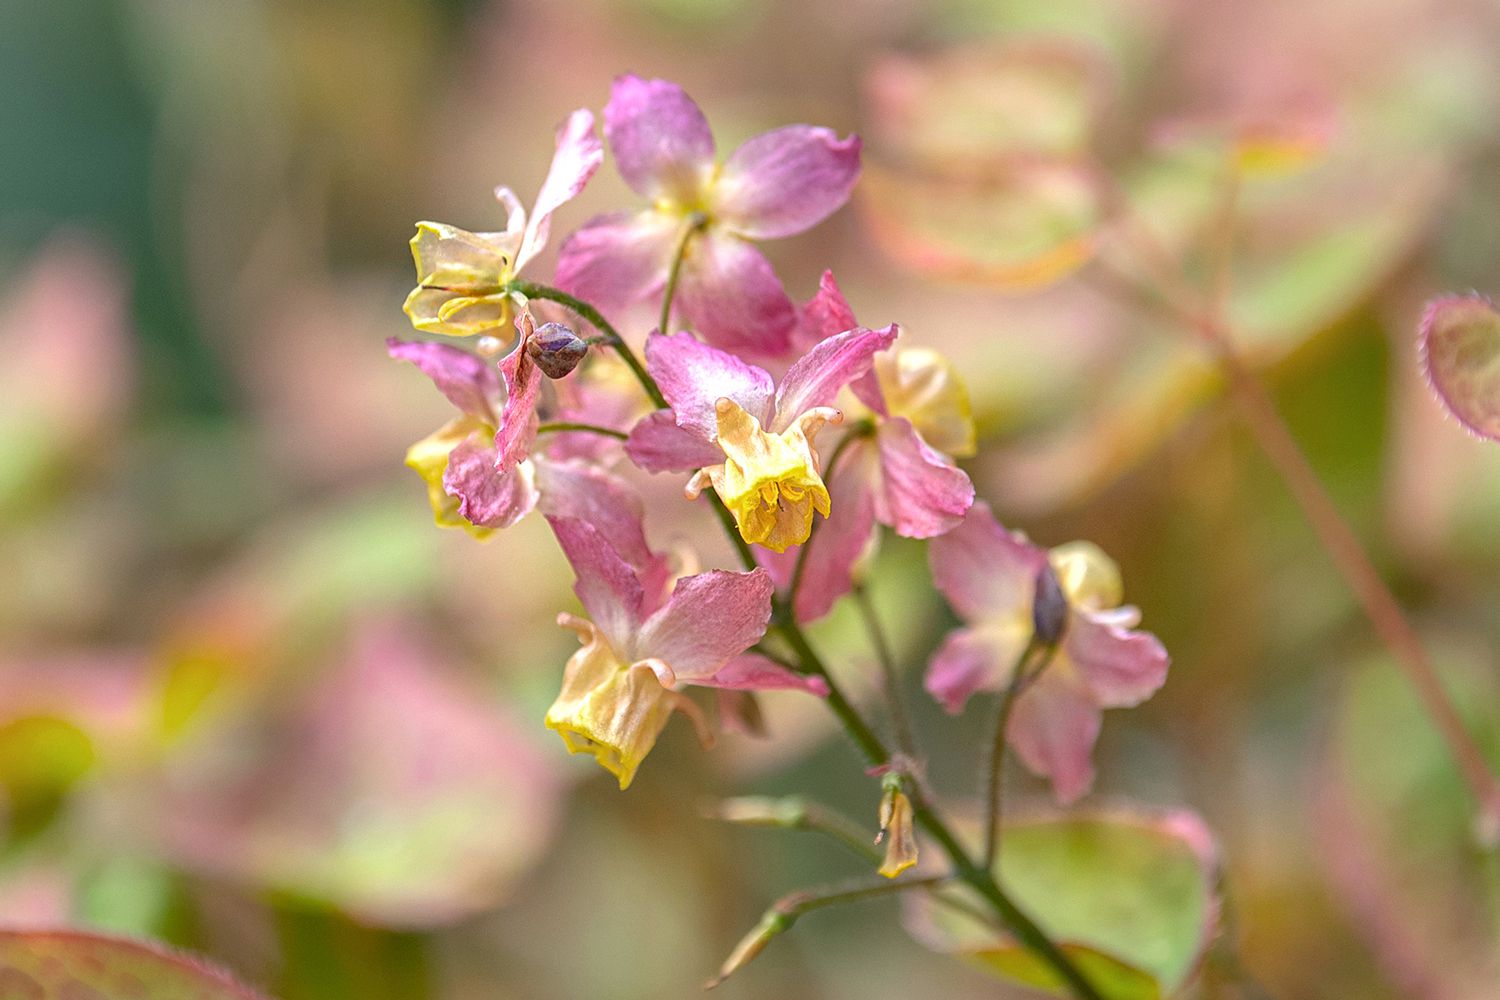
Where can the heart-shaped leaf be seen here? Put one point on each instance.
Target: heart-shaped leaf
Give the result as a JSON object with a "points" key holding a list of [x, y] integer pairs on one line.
{"points": [[72, 965], [1460, 348]]}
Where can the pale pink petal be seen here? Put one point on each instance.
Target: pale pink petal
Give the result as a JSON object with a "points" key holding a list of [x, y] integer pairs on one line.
{"points": [[616, 260], [579, 153], [968, 661], [486, 496], [709, 619], [827, 312], [518, 419], [660, 140], [922, 493], [1121, 667], [754, 672], [729, 294], [587, 493], [983, 569], [837, 543], [693, 376], [1053, 730], [605, 583], [817, 377], [658, 444], [785, 181], [470, 382]]}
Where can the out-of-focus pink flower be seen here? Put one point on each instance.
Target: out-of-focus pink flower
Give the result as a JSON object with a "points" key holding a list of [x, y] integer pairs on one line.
{"points": [[751, 439], [897, 470], [776, 184], [644, 637], [989, 575], [1460, 348], [461, 276]]}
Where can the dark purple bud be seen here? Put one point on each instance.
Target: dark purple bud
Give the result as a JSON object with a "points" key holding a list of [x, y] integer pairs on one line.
{"points": [[1049, 608], [556, 349]]}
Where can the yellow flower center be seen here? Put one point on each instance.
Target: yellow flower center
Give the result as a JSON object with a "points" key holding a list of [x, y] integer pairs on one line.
{"points": [[770, 482]]}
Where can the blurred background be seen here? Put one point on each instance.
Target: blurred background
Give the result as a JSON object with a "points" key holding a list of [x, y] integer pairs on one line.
{"points": [[253, 702]]}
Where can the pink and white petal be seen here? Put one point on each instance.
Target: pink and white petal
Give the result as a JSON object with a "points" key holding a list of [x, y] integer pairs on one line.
{"points": [[984, 570], [838, 543], [470, 382], [578, 154], [970, 660], [827, 312], [518, 419], [661, 142], [817, 377], [486, 496], [922, 493], [709, 619], [1053, 730], [782, 182], [658, 444], [754, 672], [605, 583], [616, 260], [693, 376], [1122, 668], [729, 294], [588, 493]]}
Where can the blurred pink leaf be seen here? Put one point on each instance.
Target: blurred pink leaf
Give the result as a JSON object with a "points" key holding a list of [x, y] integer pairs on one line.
{"points": [[72, 965]]}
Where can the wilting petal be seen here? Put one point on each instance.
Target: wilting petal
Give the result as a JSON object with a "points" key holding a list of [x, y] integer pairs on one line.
{"points": [[579, 153], [1121, 668], [429, 457], [588, 493], [826, 313], [658, 444], [838, 544], [1053, 730], [922, 494], [753, 672], [518, 419], [486, 496], [459, 277], [661, 142], [971, 660], [694, 376], [984, 570], [470, 382], [616, 260], [785, 181], [709, 619], [817, 377], [729, 294], [606, 584]]}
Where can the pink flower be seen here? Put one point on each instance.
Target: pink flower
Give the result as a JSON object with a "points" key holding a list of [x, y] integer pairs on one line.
{"points": [[989, 576], [461, 276], [750, 439], [776, 184], [644, 638], [898, 471]]}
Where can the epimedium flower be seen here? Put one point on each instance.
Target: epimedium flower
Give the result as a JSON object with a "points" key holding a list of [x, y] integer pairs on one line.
{"points": [[774, 185], [898, 468], [644, 638], [461, 276], [990, 577], [749, 438]]}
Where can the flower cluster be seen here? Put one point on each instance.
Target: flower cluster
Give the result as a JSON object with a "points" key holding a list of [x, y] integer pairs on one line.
{"points": [[805, 430]]}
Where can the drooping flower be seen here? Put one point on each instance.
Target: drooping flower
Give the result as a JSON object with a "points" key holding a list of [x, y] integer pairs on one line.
{"points": [[898, 470], [643, 638], [989, 576], [750, 439], [461, 276], [776, 184]]}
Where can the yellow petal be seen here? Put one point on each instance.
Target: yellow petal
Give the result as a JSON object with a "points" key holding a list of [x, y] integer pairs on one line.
{"points": [[925, 388]]}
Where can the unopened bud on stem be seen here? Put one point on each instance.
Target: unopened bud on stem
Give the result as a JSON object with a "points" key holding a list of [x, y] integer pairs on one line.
{"points": [[556, 349], [1049, 608]]}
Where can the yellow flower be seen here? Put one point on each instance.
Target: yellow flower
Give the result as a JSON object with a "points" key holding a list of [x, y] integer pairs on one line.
{"points": [[770, 482], [925, 388], [608, 708], [460, 277]]}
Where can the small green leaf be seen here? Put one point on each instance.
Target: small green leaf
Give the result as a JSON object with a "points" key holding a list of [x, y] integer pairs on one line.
{"points": [[63, 965]]}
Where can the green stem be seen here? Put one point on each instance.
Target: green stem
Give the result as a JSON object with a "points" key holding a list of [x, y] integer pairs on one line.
{"points": [[557, 426], [889, 682], [532, 290], [1021, 677], [796, 813], [693, 224]]}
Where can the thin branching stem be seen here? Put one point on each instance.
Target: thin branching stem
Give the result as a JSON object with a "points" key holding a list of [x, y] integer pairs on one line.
{"points": [[693, 224], [559, 426], [890, 681], [1031, 662]]}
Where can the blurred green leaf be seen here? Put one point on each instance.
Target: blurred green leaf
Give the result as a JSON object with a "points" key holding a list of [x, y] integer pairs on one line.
{"points": [[64, 965]]}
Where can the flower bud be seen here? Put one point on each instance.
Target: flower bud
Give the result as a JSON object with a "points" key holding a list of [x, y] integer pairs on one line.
{"points": [[1049, 608], [556, 349], [897, 831], [773, 923]]}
